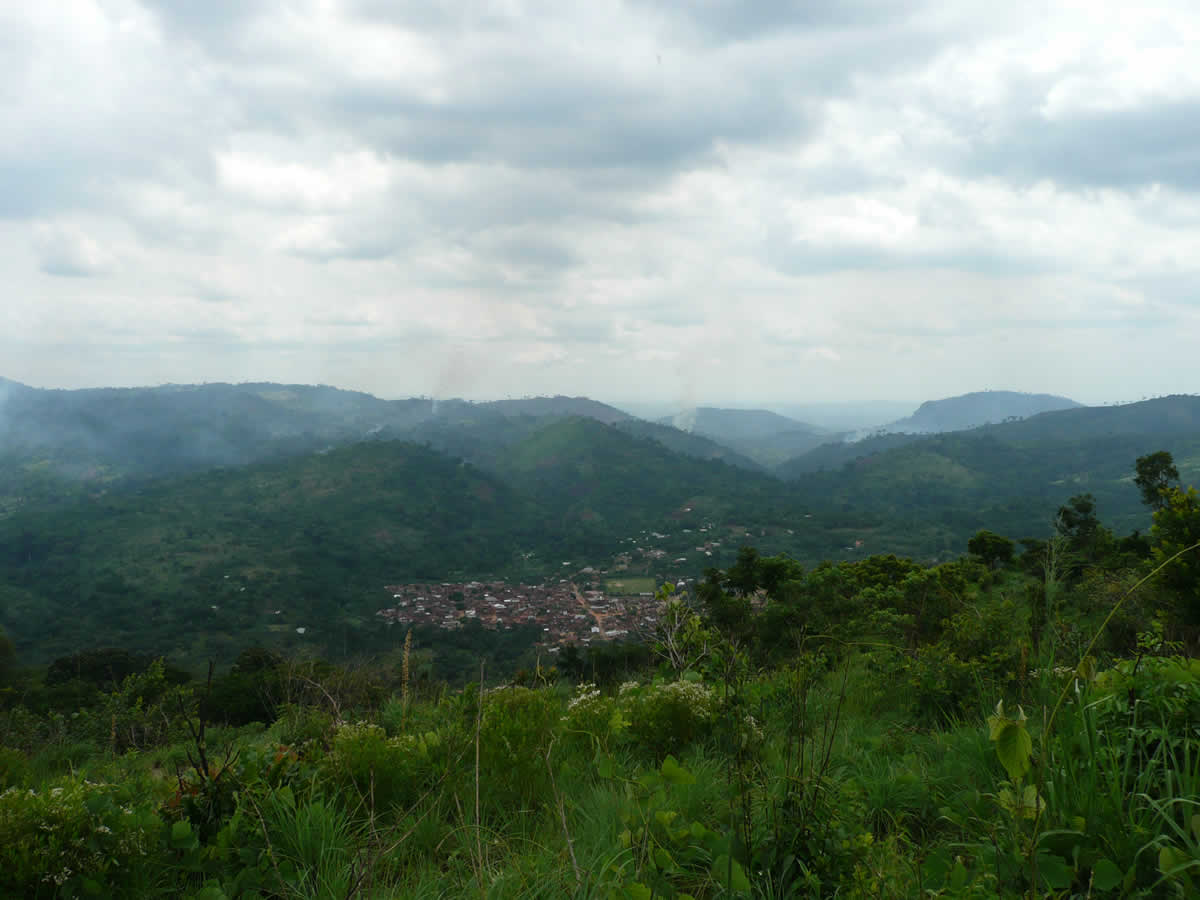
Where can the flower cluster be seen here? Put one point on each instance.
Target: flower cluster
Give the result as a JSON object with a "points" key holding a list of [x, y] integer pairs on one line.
{"points": [[585, 693]]}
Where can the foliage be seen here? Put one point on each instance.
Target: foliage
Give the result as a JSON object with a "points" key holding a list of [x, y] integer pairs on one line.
{"points": [[74, 837], [667, 716], [992, 548], [516, 729], [1155, 472]]}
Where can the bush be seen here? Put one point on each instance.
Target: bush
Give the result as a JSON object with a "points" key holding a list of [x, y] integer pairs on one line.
{"points": [[393, 772], [591, 720], [665, 717], [297, 724], [517, 726], [14, 768], [75, 838]]}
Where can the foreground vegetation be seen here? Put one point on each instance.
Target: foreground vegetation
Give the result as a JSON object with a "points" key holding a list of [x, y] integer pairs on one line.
{"points": [[1000, 725]]}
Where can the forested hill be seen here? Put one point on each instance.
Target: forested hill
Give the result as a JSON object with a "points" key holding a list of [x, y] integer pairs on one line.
{"points": [[201, 563], [1164, 418], [589, 472], [758, 434], [737, 424], [195, 561], [975, 409], [316, 535], [1010, 478]]}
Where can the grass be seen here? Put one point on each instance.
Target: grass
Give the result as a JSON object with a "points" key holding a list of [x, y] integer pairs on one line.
{"points": [[629, 586]]}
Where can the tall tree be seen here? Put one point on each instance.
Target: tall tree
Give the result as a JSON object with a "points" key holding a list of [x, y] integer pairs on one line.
{"points": [[992, 548], [8, 656], [1177, 528], [1155, 472]]}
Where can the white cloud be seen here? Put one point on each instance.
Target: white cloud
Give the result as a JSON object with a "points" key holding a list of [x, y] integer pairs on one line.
{"points": [[64, 249], [718, 201]]}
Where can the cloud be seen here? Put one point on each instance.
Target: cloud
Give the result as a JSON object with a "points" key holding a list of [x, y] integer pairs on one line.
{"points": [[703, 200], [67, 251]]}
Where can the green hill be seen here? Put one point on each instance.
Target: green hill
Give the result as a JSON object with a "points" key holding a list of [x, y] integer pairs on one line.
{"points": [[588, 472], [314, 537], [765, 437], [978, 408]]}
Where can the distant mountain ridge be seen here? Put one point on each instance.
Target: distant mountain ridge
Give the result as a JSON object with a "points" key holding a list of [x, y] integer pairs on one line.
{"points": [[975, 409], [98, 435], [766, 437], [1165, 417]]}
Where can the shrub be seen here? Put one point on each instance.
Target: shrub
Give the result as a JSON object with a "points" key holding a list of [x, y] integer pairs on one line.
{"points": [[14, 768], [388, 771], [297, 724], [665, 717], [515, 733], [591, 720], [74, 837]]}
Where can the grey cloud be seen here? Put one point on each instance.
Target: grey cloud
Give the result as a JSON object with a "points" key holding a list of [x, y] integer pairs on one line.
{"points": [[68, 251], [555, 119], [1155, 144], [212, 23], [532, 252], [726, 20]]}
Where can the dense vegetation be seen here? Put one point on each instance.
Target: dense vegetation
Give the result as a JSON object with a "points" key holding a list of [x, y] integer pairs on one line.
{"points": [[112, 557], [1003, 724]]}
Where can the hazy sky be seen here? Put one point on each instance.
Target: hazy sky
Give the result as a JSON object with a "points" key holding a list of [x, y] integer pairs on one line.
{"points": [[743, 203]]}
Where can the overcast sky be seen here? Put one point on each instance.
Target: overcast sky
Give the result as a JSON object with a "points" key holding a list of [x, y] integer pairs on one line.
{"points": [[743, 203]]}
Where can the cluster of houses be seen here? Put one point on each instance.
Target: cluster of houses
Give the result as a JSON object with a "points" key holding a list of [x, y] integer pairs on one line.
{"points": [[565, 613]]}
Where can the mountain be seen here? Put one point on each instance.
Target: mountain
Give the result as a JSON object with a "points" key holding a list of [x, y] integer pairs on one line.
{"points": [[588, 472], [688, 443], [559, 407], [763, 436], [54, 443], [737, 424], [1178, 414], [975, 409], [200, 563], [845, 417], [1011, 477], [1174, 416]]}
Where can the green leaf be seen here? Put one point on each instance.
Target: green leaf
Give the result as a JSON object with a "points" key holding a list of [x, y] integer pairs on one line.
{"points": [[958, 876], [604, 765], [664, 859], [1170, 858], [182, 837], [674, 773], [729, 874], [1014, 745], [638, 891], [1105, 875], [1055, 871]]}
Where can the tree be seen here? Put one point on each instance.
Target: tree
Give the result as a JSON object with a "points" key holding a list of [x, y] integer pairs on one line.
{"points": [[1176, 528], [1080, 527], [1155, 472], [8, 655], [680, 638], [992, 548]]}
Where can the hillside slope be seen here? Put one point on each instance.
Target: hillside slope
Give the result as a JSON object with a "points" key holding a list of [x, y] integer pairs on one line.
{"points": [[209, 558], [975, 409]]}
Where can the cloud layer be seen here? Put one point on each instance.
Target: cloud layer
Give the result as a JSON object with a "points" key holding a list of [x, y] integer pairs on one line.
{"points": [[710, 202]]}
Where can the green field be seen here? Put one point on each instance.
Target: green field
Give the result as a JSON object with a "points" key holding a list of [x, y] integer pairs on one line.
{"points": [[633, 585]]}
